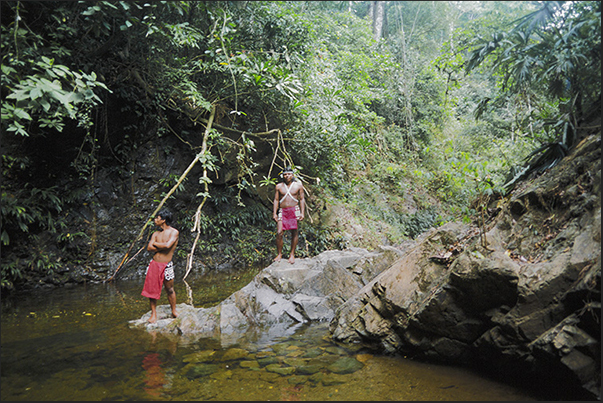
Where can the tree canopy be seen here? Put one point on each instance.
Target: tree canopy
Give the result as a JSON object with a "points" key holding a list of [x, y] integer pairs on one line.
{"points": [[386, 88]]}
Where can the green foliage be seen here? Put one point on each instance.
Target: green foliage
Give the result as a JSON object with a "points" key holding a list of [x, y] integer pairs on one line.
{"points": [[39, 91], [169, 182], [335, 128], [26, 213], [317, 239], [25, 207], [551, 54], [417, 223]]}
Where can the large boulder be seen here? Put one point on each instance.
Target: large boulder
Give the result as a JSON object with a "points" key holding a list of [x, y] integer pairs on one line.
{"points": [[523, 299]]}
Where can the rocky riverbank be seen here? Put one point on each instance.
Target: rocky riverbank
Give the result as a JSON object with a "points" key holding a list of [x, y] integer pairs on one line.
{"points": [[523, 299], [279, 297]]}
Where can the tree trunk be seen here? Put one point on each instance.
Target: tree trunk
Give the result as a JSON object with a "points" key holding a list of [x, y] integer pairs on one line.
{"points": [[377, 12]]}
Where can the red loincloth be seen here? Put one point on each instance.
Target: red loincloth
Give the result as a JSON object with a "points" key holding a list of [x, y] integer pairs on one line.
{"points": [[154, 280], [289, 217]]}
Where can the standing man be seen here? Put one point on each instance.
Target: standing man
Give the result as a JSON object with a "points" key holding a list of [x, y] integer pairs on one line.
{"points": [[288, 207], [161, 269]]}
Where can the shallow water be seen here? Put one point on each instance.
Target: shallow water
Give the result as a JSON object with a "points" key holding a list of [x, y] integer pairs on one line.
{"points": [[75, 344]]}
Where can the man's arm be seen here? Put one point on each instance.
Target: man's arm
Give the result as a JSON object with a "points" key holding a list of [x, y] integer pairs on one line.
{"points": [[157, 246], [275, 203], [302, 202], [151, 246]]}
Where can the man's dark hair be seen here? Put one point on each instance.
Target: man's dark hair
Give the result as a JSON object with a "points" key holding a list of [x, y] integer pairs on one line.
{"points": [[166, 215]]}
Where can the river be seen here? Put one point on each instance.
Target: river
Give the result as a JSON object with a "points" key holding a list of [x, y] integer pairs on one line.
{"points": [[74, 343]]}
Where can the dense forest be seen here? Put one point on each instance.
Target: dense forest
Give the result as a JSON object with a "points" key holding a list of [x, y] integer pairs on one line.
{"points": [[408, 114]]}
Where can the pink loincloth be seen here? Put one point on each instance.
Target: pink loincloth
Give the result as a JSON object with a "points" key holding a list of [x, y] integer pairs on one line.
{"points": [[154, 280], [289, 216]]}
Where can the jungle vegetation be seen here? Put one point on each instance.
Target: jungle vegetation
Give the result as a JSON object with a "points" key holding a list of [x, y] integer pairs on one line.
{"points": [[458, 99]]}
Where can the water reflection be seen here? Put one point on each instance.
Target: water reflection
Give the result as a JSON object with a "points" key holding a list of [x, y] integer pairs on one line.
{"points": [[75, 344]]}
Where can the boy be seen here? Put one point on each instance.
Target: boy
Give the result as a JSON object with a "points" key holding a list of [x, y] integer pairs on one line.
{"points": [[161, 270]]}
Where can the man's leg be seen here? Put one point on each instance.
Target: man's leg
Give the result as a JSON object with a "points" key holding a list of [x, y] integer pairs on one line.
{"points": [[153, 318], [279, 241], [294, 239], [171, 296]]}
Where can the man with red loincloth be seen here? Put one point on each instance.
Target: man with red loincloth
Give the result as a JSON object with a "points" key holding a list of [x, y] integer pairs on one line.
{"points": [[288, 208], [161, 270]]}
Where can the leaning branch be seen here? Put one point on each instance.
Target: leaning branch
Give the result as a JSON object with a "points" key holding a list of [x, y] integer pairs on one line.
{"points": [[197, 226], [182, 177]]}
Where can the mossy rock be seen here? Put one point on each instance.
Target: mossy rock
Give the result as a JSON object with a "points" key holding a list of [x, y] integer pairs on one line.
{"points": [[201, 356], [294, 362], [345, 365], [233, 354], [332, 379], [264, 354], [325, 359], [267, 361], [194, 371], [309, 369], [278, 369], [297, 380], [249, 364], [312, 353]]}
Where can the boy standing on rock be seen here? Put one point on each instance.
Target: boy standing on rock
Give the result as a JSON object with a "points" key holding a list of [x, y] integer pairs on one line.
{"points": [[288, 207], [161, 269]]}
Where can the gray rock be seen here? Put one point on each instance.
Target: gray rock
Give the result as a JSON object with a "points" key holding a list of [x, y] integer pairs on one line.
{"points": [[528, 305], [277, 299]]}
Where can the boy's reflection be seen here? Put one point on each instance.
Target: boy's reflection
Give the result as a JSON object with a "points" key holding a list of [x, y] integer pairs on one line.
{"points": [[155, 375]]}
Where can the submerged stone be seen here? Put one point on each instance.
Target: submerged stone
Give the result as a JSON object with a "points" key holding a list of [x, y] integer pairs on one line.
{"points": [[312, 353], [345, 365], [294, 362], [264, 354], [295, 353], [267, 361], [268, 376], [316, 378], [335, 350], [234, 354], [201, 356], [332, 379], [221, 375], [280, 349], [363, 357], [325, 359], [309, 369], [277, 369], [297, 380], [199, 370], [249, 364]]}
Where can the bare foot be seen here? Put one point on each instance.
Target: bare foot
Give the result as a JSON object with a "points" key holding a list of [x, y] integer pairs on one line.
{"points": [[152, 319], [278, 258], [292, 259], [174, 314]]}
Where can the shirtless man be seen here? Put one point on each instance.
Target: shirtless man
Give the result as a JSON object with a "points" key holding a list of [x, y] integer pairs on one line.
{"points": [[161, 269], [288, 208]]}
